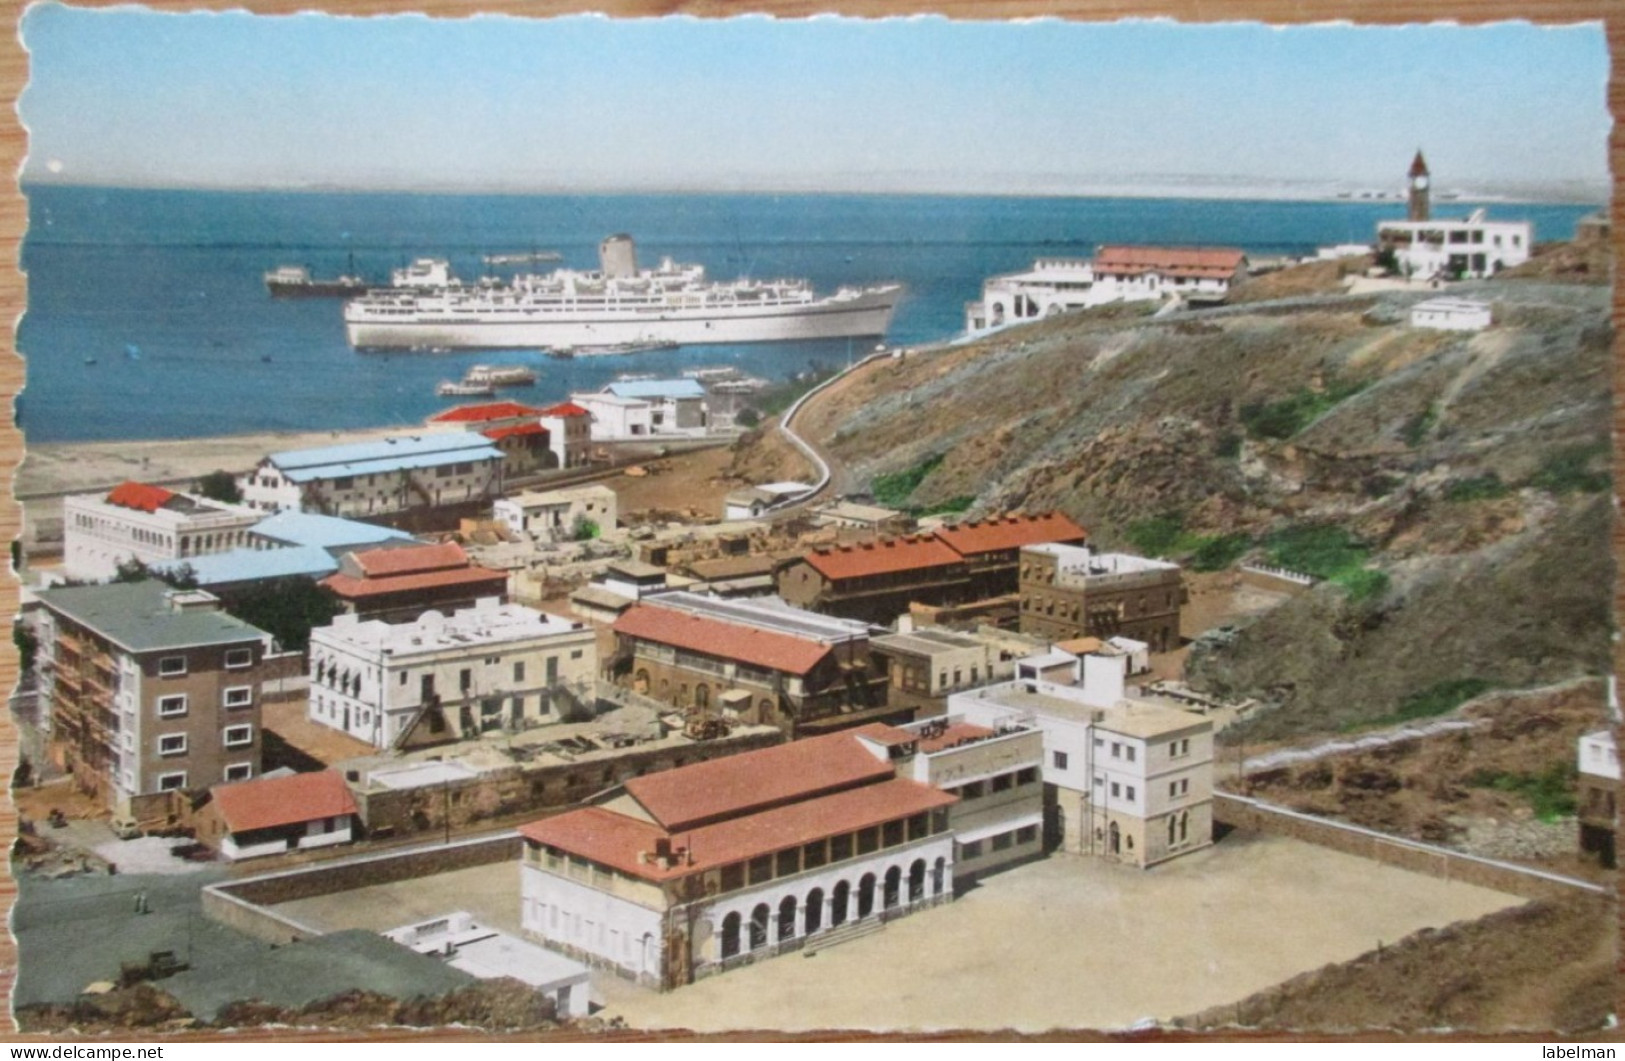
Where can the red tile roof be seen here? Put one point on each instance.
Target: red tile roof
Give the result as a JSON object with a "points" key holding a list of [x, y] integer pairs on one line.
{"points": [[495, 433], [565, 409], [268, 802], [400, 561], [139, 496], [494, 583], [880, 558], [481, 413], [1173, 261], [747, 644], [619, 841], [752, 781], [1001, 534]]}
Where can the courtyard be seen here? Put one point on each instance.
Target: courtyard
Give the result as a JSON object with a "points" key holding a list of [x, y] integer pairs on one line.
{"points": [[1062, 942]]}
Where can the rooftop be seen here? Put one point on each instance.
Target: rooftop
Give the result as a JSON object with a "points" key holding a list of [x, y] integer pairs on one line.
{"points": [[1002, 533], [1080, 560], [487, 623], [254, 565], [496, 434], [768, 613], [691, 796], [139, 616], [881, 558], [565, 409], [385, 455], [139, 496], [1188, 261], [718, 637], [1131, 718], [327, 532], [657, 388], [269, 802], [562, 496], [928, 642], [481, 413]]}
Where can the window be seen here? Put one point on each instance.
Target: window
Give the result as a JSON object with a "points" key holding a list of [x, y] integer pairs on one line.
{"points": [[174, 744], [171, 782], [733, 877], [1003, 841], [1128, 792], [238, 658], [973, 790], [575, 653], [237, 736], [1026, 834], [239, 771], [1060, 760], [761, 869], [814, 854], [172, 706], [171, 666], [238, 696], [1027, 775], [868, 840], [971, 850], [788, 862], [840, 847], [1128, 750], [891, 834], [1116, 789], [1117, 750], [1003, 782]]}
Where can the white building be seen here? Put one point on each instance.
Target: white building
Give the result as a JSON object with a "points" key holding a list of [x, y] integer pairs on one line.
{"points": [[1128, 780], [1468, 248], [569, 433], [379, 478], [551, 515], [492, 667], [480, 950], [752, 502], [149, 524], [274, 815], [1115, 274], [640, 408], [1451, 314], [692, 871]]}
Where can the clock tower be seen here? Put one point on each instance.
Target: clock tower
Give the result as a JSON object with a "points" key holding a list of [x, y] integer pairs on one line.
{"points": [[1417, 210]]}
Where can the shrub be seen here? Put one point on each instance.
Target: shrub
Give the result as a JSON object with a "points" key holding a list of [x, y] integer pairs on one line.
{"points": [[1219, 551], [1479, 488], [1568, 471], [894, 489], [1441, 697], [1285, 418]]}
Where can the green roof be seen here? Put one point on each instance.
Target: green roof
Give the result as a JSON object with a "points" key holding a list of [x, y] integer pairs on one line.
{"points": [[138, 616]]}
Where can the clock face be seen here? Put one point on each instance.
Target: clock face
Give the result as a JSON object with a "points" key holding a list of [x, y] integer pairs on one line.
{"points": [[1421, 183]]}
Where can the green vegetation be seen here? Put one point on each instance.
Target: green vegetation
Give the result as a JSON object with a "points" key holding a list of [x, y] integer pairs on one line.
{"points": [[1550, 793], [1227, 445], [1285, 418], [893, 490], [220, 486], [1165, 535], [286, 608], [1327, 552], [747, 418], [1485, 487], [583, 530], [1568, 471], [776, 400], [1441, 697], [1417, 427], [952, 506]]}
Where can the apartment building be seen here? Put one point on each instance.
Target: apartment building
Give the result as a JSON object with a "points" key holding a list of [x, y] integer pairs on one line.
{"points": [[1124, 779], [569, 434], [137, 521], [153, 693], [400, 583], [991, 548], [758, 660], [385, 478], [924, 666], [1597, 795], [494, 667], [875, 582], [515, 429], [1069, 591]]}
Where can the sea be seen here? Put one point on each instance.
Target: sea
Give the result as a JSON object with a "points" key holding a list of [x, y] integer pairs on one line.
{"points": [[148, 316]]}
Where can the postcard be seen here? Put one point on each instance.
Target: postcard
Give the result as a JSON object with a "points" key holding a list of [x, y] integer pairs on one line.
{"points": [[813, 525]]}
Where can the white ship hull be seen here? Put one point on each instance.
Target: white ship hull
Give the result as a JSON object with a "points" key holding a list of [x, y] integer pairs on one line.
{"points": [[536, 325]]}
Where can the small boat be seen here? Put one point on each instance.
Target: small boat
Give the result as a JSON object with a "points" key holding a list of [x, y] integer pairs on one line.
{"points": [[523, 259], [295, 281], [464, 389], [90, 360], [501, 375], [613, 349]]}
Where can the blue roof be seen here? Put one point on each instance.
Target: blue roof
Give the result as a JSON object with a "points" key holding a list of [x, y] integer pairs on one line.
{"points": [[657, 388], [384, 455], [326, 532], [252, 565]]}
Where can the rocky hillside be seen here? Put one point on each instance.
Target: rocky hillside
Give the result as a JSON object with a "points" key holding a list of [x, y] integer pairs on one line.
{"points": [[1450, 489]]}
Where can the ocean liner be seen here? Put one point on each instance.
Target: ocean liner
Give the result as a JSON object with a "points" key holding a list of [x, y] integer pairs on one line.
{"points": [[427, 308]]}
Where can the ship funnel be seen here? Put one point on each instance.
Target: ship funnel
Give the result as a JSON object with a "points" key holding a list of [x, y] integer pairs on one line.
{"points": [[618, 256]]}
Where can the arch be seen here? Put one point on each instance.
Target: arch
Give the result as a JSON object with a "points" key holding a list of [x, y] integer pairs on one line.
{"points": [[730, 935], [1173, 824], [916, 881], [759, 918], [787, 917], [640, 680], [1114, 843], [702, 696], [1184, 825], [838, 903], [939, 871], [813, 912], [892, 890], [866, 896], [764, 710]]}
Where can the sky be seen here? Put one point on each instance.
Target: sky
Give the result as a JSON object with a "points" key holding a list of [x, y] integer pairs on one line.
{"points": [[129, 97]]}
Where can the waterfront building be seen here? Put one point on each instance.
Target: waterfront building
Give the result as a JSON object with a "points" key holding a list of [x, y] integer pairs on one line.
{"points": [[1125, 779], [274, 815], [757, 660], [1070, 591], [1115, 274], [389, 477], [569, 434], [1471, 248], [153, 694], [553, 515], [687, 873], [399, 584], [138, 521], [640, 408], [513, 428], [494, 667]]}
